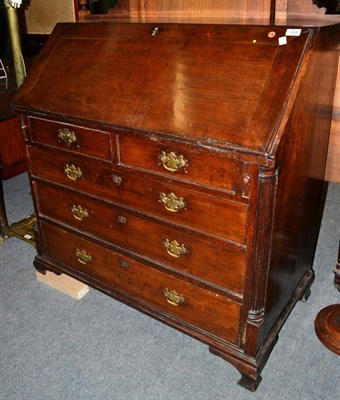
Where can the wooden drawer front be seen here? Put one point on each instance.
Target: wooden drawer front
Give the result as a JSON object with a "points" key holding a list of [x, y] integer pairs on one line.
{"points": [[201, 165], [206, 310], [71, 138], [209, 259], [95, 176], [211, 214]]}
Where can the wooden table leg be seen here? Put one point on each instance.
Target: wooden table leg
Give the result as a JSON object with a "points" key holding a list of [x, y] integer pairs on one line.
{"points": [[337, 272], [3, 216]]}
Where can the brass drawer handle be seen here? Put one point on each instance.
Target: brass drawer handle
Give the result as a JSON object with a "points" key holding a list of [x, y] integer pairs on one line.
{"points": [[67, 136], [245, 179], [74, 173], [79, 212], [83, 257], [173, 298], [174, 249], [173, 162], [171, 202]]}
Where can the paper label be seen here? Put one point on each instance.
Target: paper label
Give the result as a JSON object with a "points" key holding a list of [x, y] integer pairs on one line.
{"points": [[282, 40], [27, 236], [293, 32]]}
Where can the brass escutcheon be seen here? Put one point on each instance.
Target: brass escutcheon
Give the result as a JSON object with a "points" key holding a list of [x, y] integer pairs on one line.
{"points": [[67, 136], [74, 173], [118, 180], [83, 257], [122, 219], [173, 162], [79, 212], [173, 298], [171, 202], [124, 264], [174, 249]]}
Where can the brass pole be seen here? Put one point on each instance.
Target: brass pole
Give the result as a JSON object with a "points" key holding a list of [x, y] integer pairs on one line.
{"points": [[272, 12], [13, 26]]}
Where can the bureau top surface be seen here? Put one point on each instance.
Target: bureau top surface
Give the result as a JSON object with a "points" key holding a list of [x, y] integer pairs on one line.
{"points": [[216, 84]]}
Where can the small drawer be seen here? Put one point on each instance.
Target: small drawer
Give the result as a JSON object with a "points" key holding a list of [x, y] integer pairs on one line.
{"points": [[93, 176], [164, 293], [71, 138], [180, 161], [199, 256], [220, 217]]}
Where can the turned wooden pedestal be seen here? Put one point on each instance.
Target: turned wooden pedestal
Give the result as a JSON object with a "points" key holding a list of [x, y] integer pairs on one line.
{"points": [[327, 327], [327, 322]]}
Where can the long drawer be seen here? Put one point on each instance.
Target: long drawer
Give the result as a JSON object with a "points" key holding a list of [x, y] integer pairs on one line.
{"points": [[220, 217], [208, 311], [200, 256]]}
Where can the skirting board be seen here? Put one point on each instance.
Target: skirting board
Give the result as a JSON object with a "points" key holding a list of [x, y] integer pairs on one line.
{"points": [[64, 284]]}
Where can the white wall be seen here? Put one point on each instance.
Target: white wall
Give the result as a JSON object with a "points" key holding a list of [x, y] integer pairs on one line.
{"points": [[42, 15]]}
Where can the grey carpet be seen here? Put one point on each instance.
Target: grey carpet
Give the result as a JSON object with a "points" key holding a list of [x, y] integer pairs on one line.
{"points": [[53, 347]]}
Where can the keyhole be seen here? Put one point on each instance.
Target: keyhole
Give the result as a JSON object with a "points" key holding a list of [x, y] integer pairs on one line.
{"points": [[155, 31]]}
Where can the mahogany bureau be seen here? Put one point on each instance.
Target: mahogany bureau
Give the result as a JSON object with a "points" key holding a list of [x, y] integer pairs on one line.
{"points": [[178, 168]]}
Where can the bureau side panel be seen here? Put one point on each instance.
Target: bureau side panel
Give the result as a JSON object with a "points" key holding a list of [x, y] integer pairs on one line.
{"points": [[301, 160]]}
